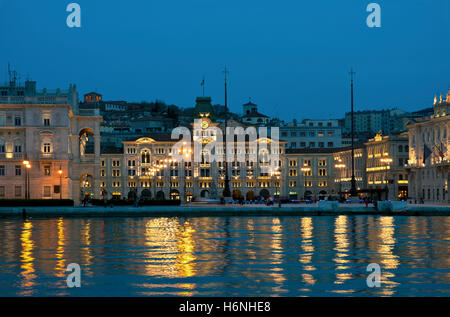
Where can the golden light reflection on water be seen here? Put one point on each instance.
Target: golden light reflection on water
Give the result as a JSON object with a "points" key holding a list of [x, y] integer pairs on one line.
{"points": [[342, 248], [388, 259], [307, 247], [86, 251], [175, 256], [185, 262], [276, 255], [27, 259], [171, 248], [60, 268]]}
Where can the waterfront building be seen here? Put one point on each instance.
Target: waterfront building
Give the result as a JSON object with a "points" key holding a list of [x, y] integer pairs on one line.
{"points": [[385, 166], [309, 174], [148, 167], [429, 159], [343, 170], [45, 143], [312, 134]]}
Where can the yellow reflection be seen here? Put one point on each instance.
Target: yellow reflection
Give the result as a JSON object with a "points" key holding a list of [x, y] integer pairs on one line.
{"points": [[277, 254], [86, 251], [388, 258], [306, 224], [171, 250], [342, 248], [185, 261], [60, 263], [26, 258]]}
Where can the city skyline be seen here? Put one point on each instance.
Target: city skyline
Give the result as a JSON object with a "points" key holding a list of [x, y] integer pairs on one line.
{"points": [[283, 65]]}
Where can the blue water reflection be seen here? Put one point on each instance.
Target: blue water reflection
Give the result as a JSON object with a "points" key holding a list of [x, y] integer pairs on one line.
{"points": [[226, 256]]}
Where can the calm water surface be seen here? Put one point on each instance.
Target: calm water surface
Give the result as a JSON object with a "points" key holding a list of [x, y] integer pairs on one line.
{"points": [[226, 256]]}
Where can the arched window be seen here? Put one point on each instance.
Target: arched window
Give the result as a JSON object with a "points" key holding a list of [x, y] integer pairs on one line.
{"points": [[400, 148], [145, 156]]}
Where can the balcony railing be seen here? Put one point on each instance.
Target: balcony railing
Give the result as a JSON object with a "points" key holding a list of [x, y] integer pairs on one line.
{"points": [[14, 156]]}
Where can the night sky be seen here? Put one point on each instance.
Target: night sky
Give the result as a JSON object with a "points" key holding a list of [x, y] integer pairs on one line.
{"points": [[291, 57]]}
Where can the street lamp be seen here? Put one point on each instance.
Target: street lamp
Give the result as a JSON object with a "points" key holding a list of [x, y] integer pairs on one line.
{"points": [[60, 182], [387, 161], [305, 171], [340, 166], [27, 178]]}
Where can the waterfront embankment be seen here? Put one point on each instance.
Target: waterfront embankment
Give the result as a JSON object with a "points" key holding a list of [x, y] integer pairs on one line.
{"points": [[220, 210]]}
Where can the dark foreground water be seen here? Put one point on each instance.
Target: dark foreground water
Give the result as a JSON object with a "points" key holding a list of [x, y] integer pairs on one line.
{"points": [[226, 256]]}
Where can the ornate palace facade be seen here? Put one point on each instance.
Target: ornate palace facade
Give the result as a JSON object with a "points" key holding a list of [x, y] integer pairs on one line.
{"points": [[429, 159]]}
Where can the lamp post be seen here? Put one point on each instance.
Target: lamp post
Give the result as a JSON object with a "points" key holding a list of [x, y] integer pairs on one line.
{"points": [[226, 191], [353, 191], [60, 182], [185, 157], [27, 178], [387, 161], [305, 171], [340, 166]]}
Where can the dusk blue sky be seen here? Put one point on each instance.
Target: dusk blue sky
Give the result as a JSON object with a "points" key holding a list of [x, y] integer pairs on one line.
{"points": [[291, 57]]}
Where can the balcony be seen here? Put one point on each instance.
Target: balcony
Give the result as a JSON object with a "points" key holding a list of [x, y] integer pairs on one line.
{"points": [[11, 156]]}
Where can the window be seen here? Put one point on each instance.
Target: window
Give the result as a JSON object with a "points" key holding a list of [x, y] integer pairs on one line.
{"points": [[330, 144], [56, 189], [115, 163], [322, 183], [322, 172], [18, 170], [102, 173], [322, 163], [47, 191], [293, 144], [116, 173], [46, 122], [47, 148], [2, 170], [2, 191], [131, 163], [321, 144], [2, 147], [17, 191], [131, 172], [320, 133], [47, 170], [292, 172], [103, 163], [312, 144], [17, 148], [18, 121]]}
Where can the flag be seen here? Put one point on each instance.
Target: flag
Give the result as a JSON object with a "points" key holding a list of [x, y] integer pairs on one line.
{"points": [[426, 153], [203, 82], [441, 152]]}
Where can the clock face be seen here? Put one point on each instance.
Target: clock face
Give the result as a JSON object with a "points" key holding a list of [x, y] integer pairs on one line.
{"points": [[205, 124]]}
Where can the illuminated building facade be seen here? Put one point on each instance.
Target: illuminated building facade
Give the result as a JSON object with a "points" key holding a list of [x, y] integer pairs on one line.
{"points": [[43, 142], [429, 159], [309, 174], [343, 169], [385, 167]]}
